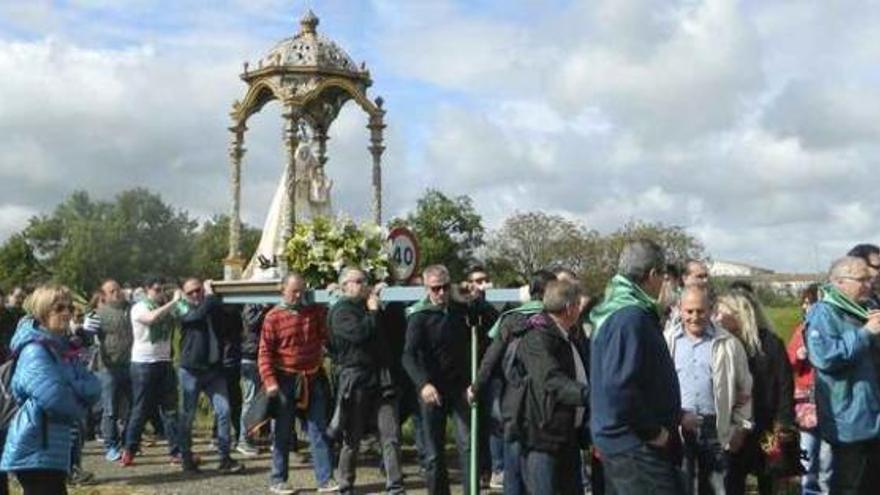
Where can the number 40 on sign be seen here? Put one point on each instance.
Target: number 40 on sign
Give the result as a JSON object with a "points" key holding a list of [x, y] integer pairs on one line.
{"points": [[404, 253]]}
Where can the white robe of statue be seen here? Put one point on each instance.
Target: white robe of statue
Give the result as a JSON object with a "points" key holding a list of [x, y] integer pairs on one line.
{"points": [[312, 193]]}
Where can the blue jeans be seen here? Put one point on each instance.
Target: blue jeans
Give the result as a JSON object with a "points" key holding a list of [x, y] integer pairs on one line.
{"points": [[213, 384], [496, 427], [316, 425], [115, 403], [434, 436], [817, 464], [644, 470], [513, 475], [153, 386], [552, 472], [250, 385]]}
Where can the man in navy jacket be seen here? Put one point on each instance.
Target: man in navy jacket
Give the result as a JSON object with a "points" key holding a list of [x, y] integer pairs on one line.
{"points": [[634, 398]]}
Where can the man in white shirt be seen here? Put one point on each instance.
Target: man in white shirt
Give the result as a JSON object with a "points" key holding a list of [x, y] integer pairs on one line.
{"points": [[153, 381]]}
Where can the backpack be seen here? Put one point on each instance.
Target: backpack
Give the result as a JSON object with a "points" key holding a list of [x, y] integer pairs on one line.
{"points": [[8, 403], [514, 394]]}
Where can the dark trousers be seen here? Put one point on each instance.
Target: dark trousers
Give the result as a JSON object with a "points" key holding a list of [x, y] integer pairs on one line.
{"points": [[749, 460], [705, 461], [154, 385], [42, 482], [434, 436], [855, 468], [644, 470], [116, 404], [364, 407], [552, 473]]}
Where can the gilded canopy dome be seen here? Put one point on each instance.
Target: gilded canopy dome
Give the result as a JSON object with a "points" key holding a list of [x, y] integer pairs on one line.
{"points": [[308, 51]]}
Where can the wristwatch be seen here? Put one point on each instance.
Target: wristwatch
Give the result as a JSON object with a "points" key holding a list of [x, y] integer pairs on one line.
{"points": [[747, 425]]}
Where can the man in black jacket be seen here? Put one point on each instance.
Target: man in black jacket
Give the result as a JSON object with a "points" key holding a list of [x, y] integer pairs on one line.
{"points": [[201, 370], [556, 394], [490, 377], [435, 356], [252, 318], [365, 392]]}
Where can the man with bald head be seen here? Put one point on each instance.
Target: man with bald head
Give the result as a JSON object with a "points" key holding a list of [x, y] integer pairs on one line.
{"points": [[841, 332], [290, 359], [115, 340], [716, 387]]}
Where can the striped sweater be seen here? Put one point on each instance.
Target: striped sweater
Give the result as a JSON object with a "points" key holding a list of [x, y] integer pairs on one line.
{"points": [[291, 341]]}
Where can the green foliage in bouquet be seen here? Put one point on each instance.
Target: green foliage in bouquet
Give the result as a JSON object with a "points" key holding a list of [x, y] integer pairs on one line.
{"points": [[321, 248]]}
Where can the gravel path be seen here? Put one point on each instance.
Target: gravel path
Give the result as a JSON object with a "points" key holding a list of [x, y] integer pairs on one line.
{"points": [[152, 474]]}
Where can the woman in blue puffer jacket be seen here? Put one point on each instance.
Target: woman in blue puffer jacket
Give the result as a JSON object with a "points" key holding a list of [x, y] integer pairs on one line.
{"points": [[54, 393]]}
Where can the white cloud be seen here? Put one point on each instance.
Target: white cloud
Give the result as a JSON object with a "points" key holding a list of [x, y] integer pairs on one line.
{"points": [[751, 124]]}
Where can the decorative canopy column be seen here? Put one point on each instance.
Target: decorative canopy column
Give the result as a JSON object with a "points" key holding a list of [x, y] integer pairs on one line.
{"points": [[234, 261], [291, 141], [313, 78], [377, 126]]}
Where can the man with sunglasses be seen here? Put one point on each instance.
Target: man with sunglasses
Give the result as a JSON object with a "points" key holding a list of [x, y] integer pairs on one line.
{"points": [[840, 334], [153, 382], [201, 370], [435, 356], [365, 391]]}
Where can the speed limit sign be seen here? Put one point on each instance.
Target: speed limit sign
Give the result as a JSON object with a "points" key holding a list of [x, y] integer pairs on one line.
{"points": [[404, 253]]}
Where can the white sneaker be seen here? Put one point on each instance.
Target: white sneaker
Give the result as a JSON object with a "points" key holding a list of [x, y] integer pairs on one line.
{"points": [[496, 482], [329, 486], [282, 488]]}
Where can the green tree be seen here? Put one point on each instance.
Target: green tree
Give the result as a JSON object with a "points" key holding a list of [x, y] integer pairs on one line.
{"points": [[449, 230], [535, 240], [211, 246], [18, 265], [136, 235]]}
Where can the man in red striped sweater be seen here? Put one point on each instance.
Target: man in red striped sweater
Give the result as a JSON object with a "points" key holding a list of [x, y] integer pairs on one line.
{"points": [[290, 360]]}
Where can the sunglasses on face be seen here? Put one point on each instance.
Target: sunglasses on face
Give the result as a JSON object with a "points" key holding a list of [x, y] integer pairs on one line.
{"points": [[62, 307], [193, 292], [436, 289], [480, 280]]}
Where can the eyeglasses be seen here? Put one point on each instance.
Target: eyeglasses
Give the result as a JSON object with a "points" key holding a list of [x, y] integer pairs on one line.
{"points": [[480, 280], [439, 288], [61, 307]]}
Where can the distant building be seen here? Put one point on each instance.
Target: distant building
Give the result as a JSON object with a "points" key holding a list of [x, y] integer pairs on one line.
{"points": [[721, 268], [786, 284]]}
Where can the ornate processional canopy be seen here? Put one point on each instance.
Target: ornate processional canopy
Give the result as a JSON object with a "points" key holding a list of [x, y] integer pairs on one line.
{"points": [[312, 77]]}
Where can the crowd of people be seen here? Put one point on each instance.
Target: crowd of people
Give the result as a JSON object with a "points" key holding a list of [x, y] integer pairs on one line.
{"points": [[666, 384]]}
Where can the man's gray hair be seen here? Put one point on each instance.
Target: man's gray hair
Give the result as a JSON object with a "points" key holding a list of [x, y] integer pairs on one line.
{"points": [[843, 267], [561, 294], [703, 292], [436, 271], [638, 258], [346, 272]]}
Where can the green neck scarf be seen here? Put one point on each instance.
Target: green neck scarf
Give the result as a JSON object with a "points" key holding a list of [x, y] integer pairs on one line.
{"points": [[833, 296], [160, 330], [620, 293], [297, 306], [526, 308], [424, 305]]}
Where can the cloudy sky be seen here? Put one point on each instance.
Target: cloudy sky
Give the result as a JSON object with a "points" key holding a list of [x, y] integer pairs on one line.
{"points": [[754, 124]]}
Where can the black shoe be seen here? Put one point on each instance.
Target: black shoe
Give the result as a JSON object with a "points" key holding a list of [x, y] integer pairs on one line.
{"points": [[190, 466], [230, 466]]}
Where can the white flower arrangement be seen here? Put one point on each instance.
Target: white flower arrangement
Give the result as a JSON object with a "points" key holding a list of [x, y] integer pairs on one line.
{"points": [[320, 249]]}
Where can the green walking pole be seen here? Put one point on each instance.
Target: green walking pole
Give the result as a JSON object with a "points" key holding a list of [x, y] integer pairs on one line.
{"points": [[475, 449]]}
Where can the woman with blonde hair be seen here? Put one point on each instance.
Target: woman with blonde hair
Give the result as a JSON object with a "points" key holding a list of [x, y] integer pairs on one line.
{"points": [[740, 313], [53, 391]]}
